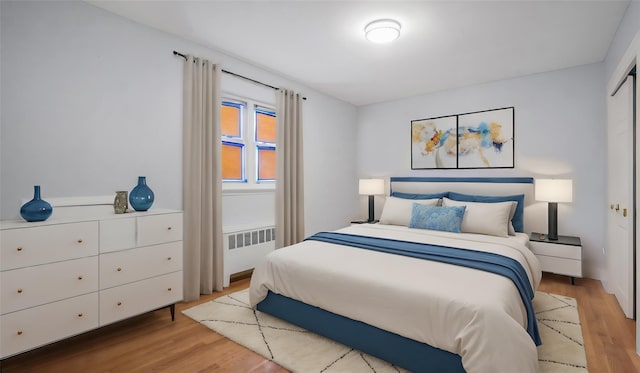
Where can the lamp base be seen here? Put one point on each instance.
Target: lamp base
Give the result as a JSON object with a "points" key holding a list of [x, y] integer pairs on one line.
{"points": [[553, 221], [371, 210]]}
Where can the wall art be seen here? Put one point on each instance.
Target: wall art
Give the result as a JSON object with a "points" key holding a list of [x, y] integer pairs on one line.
{"points": [[482, 139]]}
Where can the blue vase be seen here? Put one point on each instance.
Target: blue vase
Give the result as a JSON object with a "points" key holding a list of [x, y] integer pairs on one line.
{"points": [[141, 196], [36, 209]]}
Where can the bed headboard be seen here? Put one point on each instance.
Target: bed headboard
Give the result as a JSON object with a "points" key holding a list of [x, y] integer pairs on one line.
{"points": [[489, 186]]}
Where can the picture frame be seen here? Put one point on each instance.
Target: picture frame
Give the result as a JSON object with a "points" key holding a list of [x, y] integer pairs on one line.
{"points": [[485, 139], [433, 143], [474, 140]]}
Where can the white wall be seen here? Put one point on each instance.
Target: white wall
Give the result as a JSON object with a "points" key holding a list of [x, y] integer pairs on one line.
{"points": [[91, 100], [627, 30], [559, 132]]}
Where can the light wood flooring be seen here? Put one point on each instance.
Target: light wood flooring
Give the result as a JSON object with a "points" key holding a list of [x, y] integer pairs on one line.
{"points": [[151, 342]]}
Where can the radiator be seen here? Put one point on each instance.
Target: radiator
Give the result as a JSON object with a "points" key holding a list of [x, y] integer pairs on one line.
{"points": [[245, 247], [236, 240]]}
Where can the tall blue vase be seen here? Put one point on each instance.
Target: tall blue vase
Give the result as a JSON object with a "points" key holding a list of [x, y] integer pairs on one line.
{"points": [[141, 196], [36, 209]]}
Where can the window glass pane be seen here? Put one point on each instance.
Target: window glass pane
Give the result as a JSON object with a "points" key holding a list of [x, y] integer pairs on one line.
{"points": [[232, 161], [231, 119], [266, 163], [265, 126]]}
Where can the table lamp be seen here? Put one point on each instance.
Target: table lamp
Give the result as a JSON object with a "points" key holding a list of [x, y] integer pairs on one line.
{"points": [[371, 187], [553, 191]]}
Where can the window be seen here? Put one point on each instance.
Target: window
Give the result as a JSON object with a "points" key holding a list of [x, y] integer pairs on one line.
{"points": [[233, 165], [248, 142], [265, 121]]}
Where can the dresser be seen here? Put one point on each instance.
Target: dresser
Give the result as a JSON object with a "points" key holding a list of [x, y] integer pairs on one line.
{"points": [[62, 277]]}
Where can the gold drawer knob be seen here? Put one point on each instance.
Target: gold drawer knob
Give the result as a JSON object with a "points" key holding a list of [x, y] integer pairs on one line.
{"points": [[80, 315], [119, 303], [19, 291], [169, 289], [79, 277], [19, 332], [79, 240], [19, 249], [169, 258], [168, 228], [119, 269]]}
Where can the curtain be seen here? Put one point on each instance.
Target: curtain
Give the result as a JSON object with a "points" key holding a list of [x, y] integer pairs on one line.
{"points": [[289, 169], [202, 179]]}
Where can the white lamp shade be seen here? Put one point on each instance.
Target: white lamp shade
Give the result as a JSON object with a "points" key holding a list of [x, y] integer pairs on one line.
{"points": [[554, 190], [371, 186]]}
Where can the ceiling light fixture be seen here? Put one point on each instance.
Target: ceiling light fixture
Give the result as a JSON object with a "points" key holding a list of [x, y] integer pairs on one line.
{"points": [[382, 30]]}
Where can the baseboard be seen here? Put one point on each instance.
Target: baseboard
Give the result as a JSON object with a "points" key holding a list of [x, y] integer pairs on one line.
{"points": [[241, 275]]}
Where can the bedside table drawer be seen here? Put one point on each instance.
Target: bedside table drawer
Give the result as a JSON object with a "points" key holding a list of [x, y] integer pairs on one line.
{"points": [[561, 266], [556, 250]]}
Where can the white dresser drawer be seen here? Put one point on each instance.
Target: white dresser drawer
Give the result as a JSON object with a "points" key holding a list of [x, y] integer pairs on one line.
{"points": [[22, 247], [125, 266], [32, 286], [138, 297], [561, 266], [557, 250], [156, 229], [33, 327], [117, 234]]}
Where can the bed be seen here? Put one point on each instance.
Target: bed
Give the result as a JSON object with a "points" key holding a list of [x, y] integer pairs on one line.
{"points": [[421, 315]]}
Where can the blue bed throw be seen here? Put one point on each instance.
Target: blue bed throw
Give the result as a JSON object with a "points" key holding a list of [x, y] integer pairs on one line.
{"points": [[484, 261]]}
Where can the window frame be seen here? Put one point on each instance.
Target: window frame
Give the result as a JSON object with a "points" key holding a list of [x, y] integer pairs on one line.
{"points": [[248, 131], [243, 176], [238, 141], [258, 109]]}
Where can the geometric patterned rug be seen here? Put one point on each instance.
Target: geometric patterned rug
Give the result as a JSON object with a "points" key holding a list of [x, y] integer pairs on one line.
{"points": [[299, 350], [562, 349]]}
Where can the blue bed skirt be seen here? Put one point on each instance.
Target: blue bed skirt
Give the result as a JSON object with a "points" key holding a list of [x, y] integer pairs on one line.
{"points": [[393, 348]]}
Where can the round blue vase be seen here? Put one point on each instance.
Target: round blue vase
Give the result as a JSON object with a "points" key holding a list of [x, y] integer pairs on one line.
{"points": [[141, 196], [36, 209]]}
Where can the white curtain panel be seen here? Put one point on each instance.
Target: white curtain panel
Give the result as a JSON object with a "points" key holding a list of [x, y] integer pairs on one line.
{"points": [[289, 169], [202, 179]]}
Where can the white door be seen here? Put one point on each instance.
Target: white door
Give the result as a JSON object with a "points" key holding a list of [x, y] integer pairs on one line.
{"points": [[620, 216]]}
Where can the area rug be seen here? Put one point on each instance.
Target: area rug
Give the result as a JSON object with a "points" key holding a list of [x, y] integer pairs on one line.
{"points": [[299, 350]]}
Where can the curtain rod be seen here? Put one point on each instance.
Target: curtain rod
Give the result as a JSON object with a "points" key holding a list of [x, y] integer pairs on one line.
{"points": [[237, 75]]}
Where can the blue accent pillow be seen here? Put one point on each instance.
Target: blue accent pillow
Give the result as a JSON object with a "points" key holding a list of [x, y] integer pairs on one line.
{"points": [[518, 216], [419, 196], [448, 219]]}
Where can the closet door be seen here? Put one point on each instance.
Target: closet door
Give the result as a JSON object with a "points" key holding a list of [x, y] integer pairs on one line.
{"points": [[620, 216]]}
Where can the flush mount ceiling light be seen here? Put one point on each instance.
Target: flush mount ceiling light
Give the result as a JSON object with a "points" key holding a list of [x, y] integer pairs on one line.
{"points": [[382, 30]]}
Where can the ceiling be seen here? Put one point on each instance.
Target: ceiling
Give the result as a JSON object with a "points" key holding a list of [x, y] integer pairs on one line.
{"points": [[443, 45]]}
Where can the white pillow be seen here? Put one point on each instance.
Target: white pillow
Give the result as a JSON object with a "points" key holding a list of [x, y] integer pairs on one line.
{"points": [[397, 211], [484, 218]]}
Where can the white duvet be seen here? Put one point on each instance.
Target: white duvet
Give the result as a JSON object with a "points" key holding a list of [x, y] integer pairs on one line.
{"points": [[475, 314]]}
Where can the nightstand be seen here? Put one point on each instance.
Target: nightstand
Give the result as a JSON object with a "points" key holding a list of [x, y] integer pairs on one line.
{"points": [[562, 256], [364, 222]]}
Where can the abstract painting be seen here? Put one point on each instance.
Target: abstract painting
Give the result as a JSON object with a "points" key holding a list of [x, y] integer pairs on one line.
{"points": [[433, 143], [482, 139], [485, 139]]}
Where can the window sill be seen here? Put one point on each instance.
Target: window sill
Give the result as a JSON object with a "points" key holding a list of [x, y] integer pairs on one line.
{"points": [[234, 189]]}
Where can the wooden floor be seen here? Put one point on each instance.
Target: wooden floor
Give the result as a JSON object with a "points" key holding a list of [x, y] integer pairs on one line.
{"points": [[151, 342]]}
